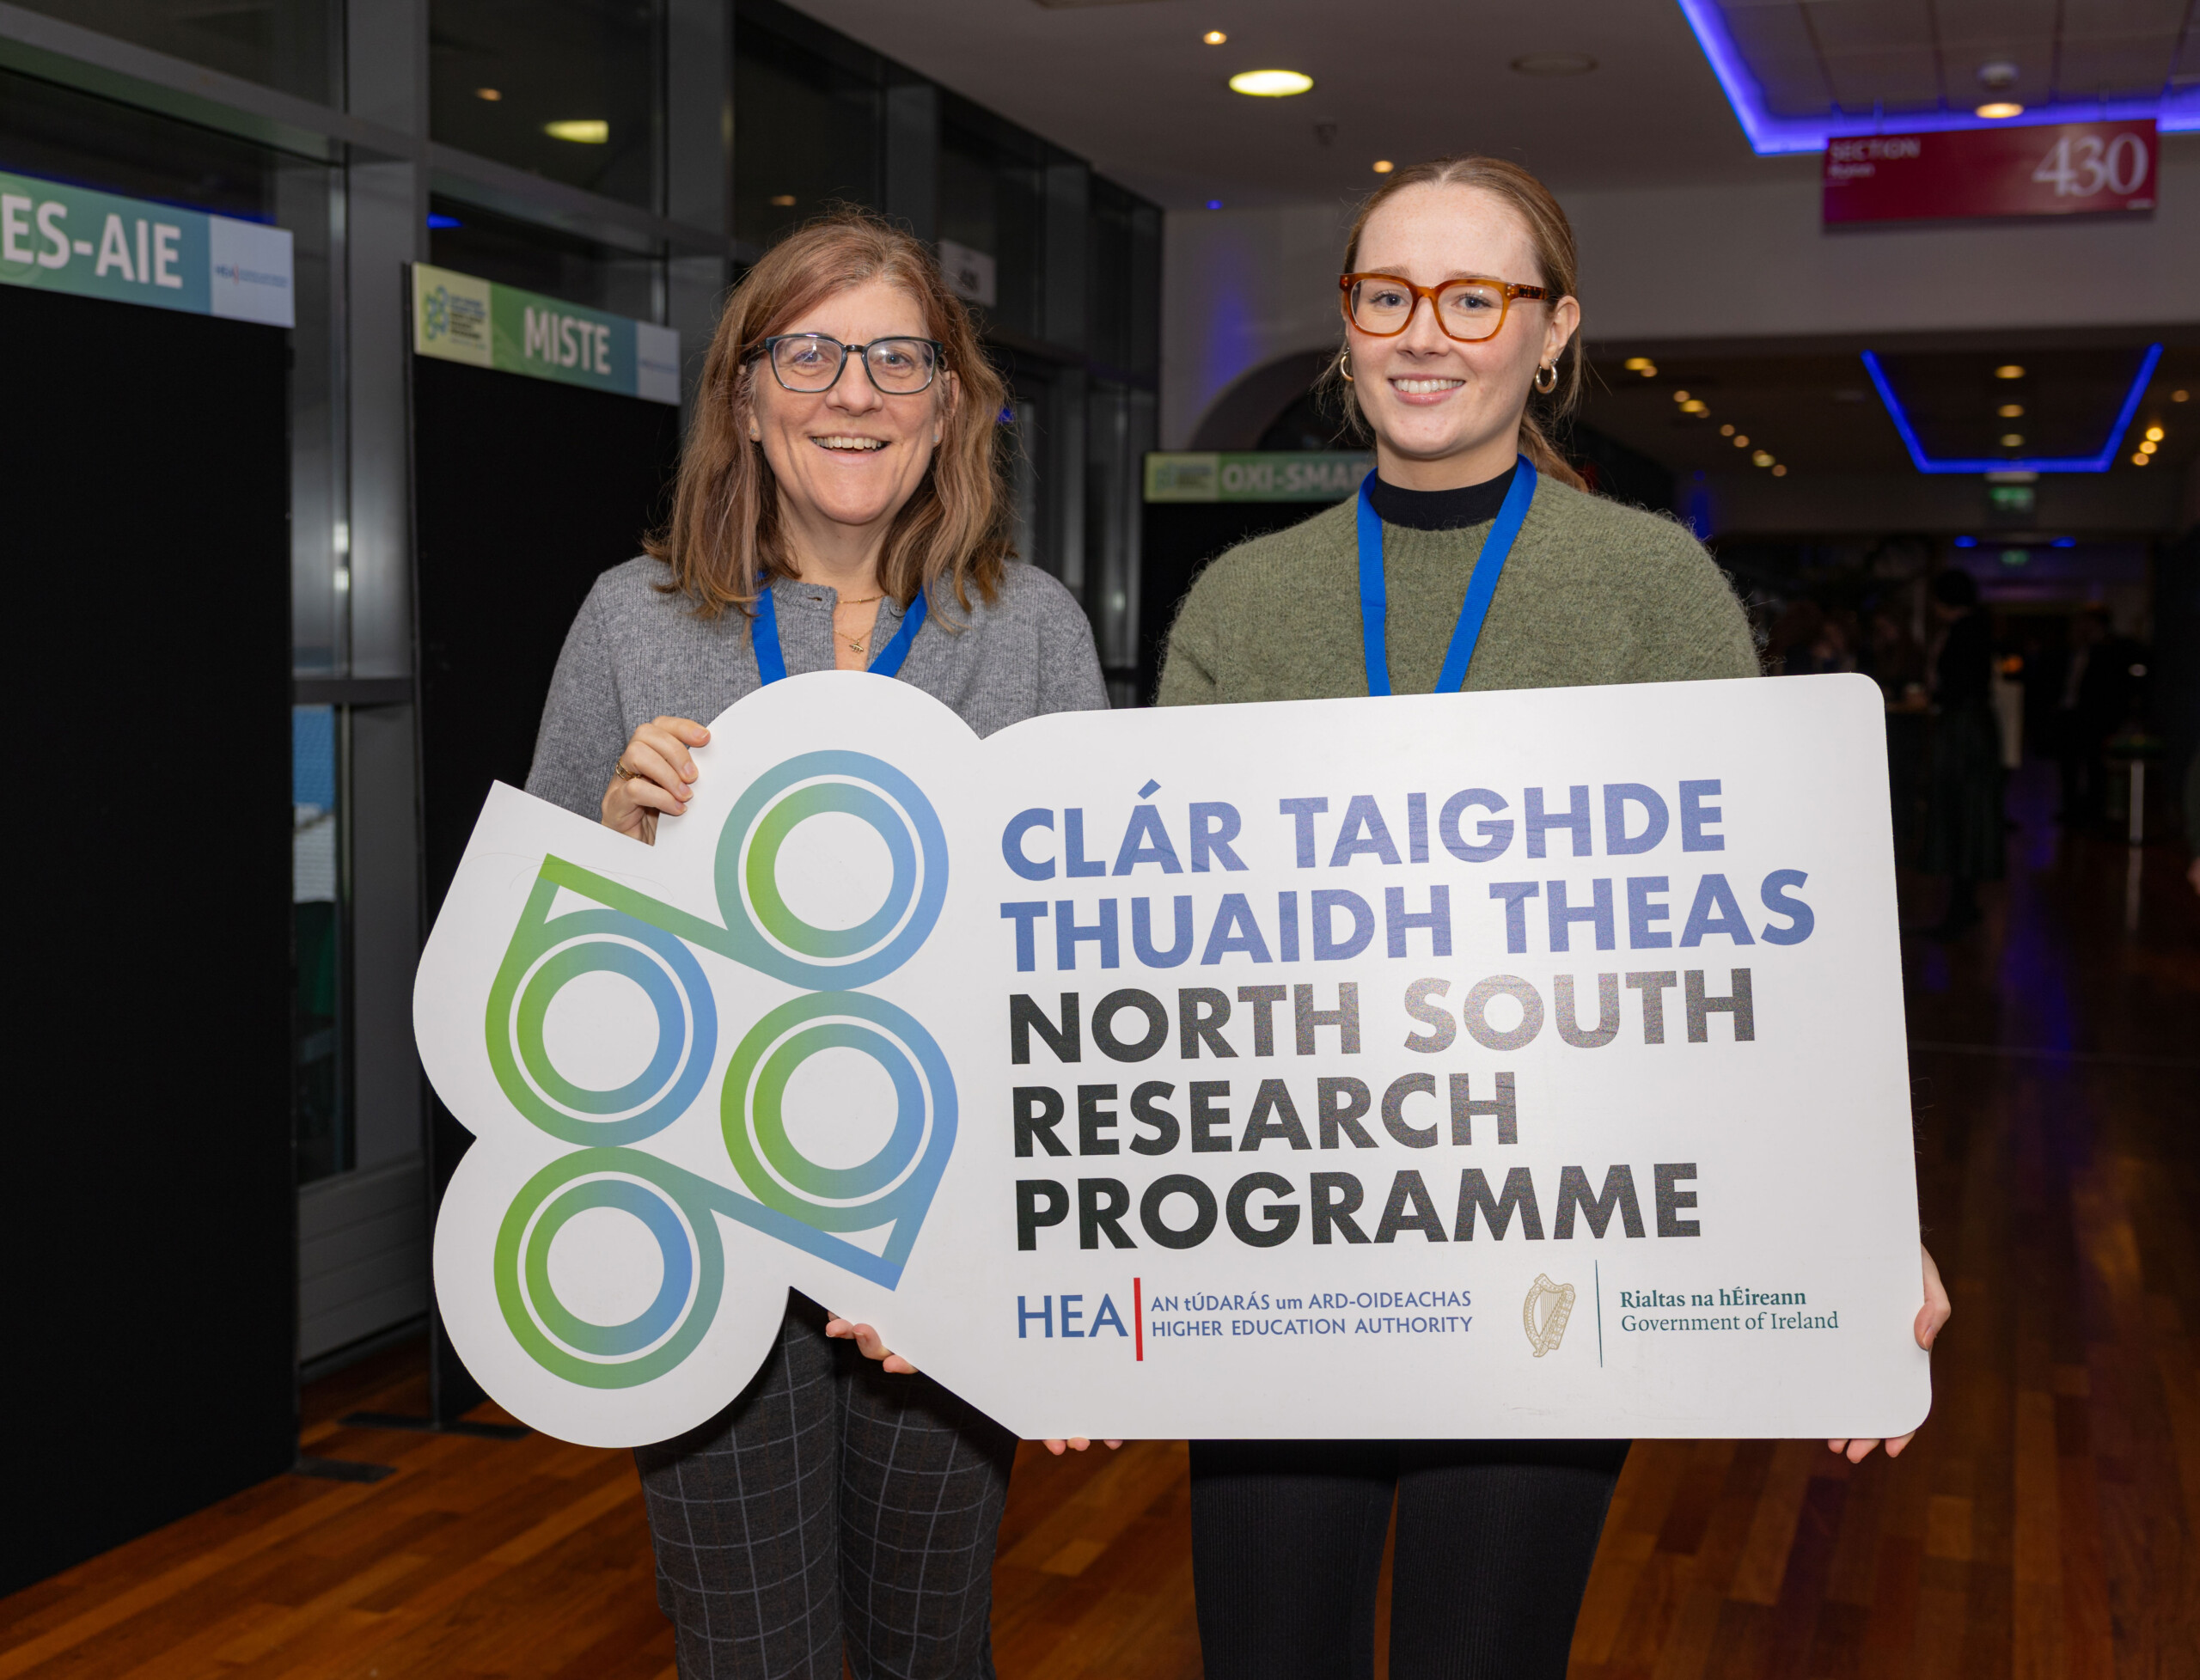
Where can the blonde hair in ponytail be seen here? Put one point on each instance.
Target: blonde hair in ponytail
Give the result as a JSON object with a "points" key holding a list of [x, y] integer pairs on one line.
{"points": [[1551, 235]]}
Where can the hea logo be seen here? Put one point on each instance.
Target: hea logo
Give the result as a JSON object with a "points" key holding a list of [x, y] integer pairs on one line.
{"points": [[791, 1197]]}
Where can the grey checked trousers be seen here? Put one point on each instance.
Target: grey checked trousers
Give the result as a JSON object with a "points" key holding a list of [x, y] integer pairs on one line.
{"points": [[830, 1502]]}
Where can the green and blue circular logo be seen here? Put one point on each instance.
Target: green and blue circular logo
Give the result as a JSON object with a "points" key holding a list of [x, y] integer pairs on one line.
{"points": [[790, 1195]]}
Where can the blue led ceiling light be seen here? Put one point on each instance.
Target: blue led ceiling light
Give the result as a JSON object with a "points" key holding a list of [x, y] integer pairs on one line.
{"points": [[2175, 109], [2072, 463]]}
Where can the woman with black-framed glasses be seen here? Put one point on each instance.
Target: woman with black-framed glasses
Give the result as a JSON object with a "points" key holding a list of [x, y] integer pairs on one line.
{"points": [[1471, 559], [826, 517]]}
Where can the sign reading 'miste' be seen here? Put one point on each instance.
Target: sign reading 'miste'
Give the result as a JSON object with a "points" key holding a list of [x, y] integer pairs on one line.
{"points": [[459, 318]]}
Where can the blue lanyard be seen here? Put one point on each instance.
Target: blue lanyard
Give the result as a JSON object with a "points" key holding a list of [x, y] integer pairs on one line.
{"points": [[1374, 595], [772, 662]]}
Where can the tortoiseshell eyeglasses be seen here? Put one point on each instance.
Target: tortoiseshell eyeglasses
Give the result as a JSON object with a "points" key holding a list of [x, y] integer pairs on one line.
{"points": [[1381, 305]]}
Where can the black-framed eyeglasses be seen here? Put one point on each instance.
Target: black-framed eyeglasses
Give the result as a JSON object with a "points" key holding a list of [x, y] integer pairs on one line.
{"points": [[809, 362]]}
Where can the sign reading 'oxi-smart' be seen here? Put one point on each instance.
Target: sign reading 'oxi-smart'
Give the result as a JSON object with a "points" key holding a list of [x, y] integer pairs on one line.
{"points": [[1516, 1064]]}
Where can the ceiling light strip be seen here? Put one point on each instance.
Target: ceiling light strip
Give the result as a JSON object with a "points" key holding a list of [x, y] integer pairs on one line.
{"points": [[2175, 110], [2094, 463]]}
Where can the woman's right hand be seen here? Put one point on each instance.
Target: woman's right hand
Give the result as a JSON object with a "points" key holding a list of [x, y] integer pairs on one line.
{"points": [[655, 777]]}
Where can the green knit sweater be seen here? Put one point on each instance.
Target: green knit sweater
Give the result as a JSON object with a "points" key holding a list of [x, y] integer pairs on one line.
{"points": [[1593, 592]]}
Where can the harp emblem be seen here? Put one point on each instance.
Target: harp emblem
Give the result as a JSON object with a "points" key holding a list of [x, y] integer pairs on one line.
{"points": [[1545, 1313]]}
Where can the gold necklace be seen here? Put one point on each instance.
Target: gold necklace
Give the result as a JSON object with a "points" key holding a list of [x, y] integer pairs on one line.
{"points": [[858, 644]]}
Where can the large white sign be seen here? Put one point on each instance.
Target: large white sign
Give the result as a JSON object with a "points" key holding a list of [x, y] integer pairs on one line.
{"points": [[1520, 1064]]}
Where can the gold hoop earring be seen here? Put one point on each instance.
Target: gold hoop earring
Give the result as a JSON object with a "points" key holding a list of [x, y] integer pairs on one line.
{"points": [[1547, 378], [1344, 367]]}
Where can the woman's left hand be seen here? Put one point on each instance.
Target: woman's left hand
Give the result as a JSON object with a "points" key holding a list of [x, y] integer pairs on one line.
{"points": [[1931, 1316], [1056, 1444], [869, 1345]]}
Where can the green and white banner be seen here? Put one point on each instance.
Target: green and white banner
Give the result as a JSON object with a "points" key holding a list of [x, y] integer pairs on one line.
{"points": [[459, 318], [71, 239], [1259, 475]]}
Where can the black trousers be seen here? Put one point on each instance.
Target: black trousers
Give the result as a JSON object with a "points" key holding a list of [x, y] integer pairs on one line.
{"points": [[1494, 1542], [830, 1503]]}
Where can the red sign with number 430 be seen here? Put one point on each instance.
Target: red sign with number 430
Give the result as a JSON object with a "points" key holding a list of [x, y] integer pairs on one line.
{"points": [[2053, 169]]}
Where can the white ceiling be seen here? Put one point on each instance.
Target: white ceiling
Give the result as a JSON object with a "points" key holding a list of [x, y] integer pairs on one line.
{"points": [[1131, 87], [1906, 56]]}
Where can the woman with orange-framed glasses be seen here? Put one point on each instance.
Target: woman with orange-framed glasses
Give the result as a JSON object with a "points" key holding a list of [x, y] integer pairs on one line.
{"points": [[1472, 558]]}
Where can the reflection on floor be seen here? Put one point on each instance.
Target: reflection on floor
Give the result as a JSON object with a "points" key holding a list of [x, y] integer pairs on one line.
{"points": [[2047, 1520], [2046, 1523]]}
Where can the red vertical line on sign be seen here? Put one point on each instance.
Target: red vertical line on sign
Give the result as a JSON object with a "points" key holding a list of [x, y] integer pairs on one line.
{"points": [[1138, 1311]]}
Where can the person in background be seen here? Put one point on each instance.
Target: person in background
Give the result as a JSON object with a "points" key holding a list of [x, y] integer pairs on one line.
{"points": [[1963, 825], [1459, 351], [2193, 821], [839, 506], [2079, 725], [1894, 659], [1897, 662], [1809, 641]]}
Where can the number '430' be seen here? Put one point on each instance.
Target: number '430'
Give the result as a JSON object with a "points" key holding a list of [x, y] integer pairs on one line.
{"points": [[2081, 167]]}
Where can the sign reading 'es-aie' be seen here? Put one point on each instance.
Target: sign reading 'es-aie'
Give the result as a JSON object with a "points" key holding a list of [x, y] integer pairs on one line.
{"points": [[70, 239]]}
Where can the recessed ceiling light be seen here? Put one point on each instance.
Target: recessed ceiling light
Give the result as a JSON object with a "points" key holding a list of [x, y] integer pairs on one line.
{"points": [[2149, 447], [2179, 396], [1726, 431], [2156, 433], [1695, 407], [2012, 440], [1383, 165], [1762, 458], [783, 201], [1271, 83], [1554, 63], [2011, 410], [2008, 370], [1999, 110], [1779, 472], [581, 131], [2138, 461], [1214, 38], [1648, 370], [1635, 363], [1680, 396], [492, 95], [1741, 438]]}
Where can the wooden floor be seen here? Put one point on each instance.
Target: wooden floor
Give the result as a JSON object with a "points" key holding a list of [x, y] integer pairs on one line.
{"points": [[2047, 1523]]}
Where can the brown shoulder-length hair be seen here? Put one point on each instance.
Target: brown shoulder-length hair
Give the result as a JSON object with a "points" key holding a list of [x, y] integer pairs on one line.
{"points": [[1552, 236], [725, 541]]}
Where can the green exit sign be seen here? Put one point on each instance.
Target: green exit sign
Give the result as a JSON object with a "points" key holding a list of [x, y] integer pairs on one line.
{"points": [[2010, 501]]}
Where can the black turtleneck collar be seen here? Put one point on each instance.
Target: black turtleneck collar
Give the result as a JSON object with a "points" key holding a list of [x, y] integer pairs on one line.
{"points": [[1440, 510]]}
